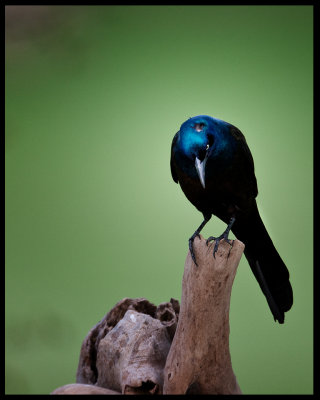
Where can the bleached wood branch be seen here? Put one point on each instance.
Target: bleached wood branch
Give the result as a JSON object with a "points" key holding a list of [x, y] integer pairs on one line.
{"points": [[199, 360], [139, 348]]}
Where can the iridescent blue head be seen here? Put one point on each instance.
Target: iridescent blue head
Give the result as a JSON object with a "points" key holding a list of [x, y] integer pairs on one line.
{"points": [[202, 137]]}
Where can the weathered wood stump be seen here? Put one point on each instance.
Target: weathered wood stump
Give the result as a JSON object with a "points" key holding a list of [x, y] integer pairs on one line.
{"points": [[199, 360], [139, 348]]}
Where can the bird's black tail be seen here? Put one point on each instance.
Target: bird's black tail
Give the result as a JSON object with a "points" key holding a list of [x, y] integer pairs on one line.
{"points": [[266, 263]]}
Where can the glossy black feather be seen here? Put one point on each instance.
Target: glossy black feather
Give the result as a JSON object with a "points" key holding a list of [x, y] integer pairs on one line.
{"points": [[173, 172], [230, 192]]}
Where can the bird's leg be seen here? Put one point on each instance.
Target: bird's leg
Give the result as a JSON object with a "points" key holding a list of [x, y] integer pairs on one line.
{"points": [[197, 233], [223, 236]]}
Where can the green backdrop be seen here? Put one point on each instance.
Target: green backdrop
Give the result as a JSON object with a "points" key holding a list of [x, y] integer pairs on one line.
{"points": [[94, 96]]}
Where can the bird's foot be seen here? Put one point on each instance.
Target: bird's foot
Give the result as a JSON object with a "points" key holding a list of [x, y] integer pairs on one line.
{"points": [[224, 236], [197, 233], [217, 241], [191, 246]]}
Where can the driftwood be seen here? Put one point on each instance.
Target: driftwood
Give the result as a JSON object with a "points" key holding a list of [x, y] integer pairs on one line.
{"points": [[80, 388], [199, 360], [139, 348], [127, 350]]}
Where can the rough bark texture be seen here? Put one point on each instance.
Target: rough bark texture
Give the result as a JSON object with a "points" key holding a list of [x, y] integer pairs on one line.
{"points": [[126, 351], [199, 360], [139, 348], [80, 388], [132, 356]]}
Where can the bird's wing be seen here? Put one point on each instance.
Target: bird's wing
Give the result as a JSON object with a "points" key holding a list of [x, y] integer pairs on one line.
{"points": [[173, 171], [246, 159]]}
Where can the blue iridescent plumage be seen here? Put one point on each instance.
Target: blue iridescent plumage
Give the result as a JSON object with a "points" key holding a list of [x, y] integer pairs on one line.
{"points": [[211, 161]]}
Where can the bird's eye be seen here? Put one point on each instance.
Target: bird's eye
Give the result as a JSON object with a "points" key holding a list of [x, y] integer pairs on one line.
{"points": [[199, 127]]}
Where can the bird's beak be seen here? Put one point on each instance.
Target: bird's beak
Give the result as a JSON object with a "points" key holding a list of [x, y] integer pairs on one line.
{"points": [[200, 167]]}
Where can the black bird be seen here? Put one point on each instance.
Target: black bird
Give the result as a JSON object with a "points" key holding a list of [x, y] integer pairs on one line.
{"points": [[212, 162]]}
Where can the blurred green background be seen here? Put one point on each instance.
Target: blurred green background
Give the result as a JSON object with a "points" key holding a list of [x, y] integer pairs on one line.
{"points": [[93, 98]]}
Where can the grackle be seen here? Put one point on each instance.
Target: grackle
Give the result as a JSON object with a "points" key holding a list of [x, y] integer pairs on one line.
{"points": [[212, 162]]}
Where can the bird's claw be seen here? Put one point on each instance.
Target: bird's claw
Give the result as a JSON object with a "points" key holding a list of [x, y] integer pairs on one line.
{"points": [[224, 236], [191, 246]]}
